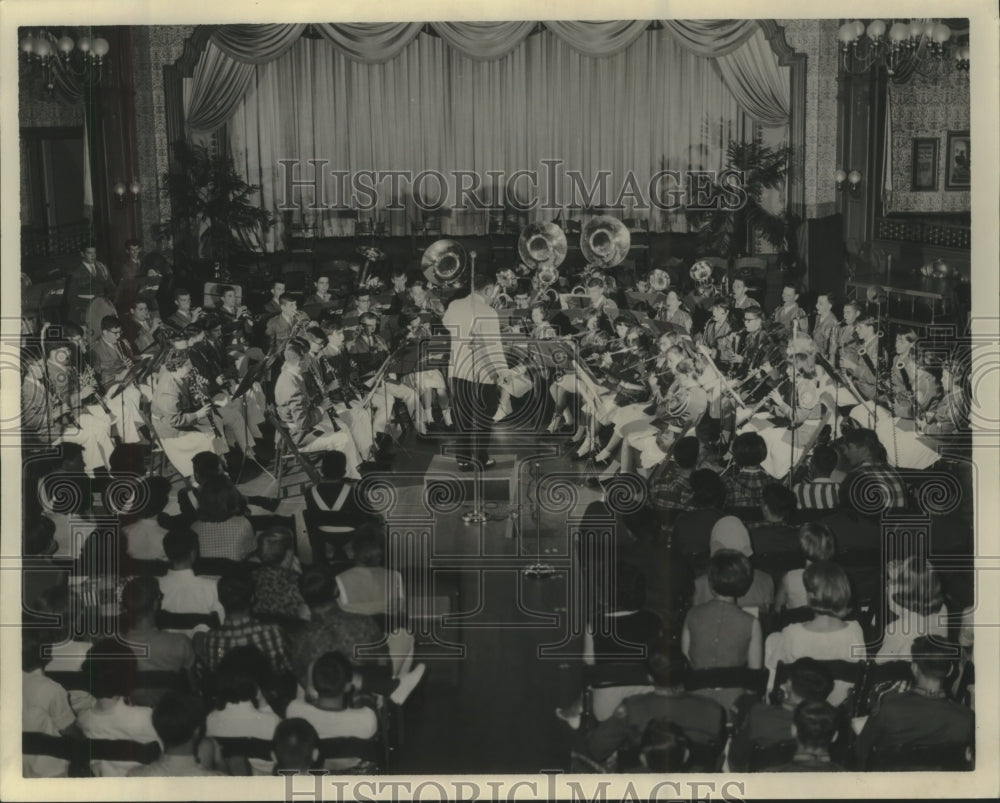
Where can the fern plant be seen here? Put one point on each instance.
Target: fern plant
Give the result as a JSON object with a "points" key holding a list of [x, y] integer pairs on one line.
{"points": [[212, 204], [726, 232]]}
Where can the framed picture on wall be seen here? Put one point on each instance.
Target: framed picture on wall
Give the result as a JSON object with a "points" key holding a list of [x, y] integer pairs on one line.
{"points": [[924, 172], [957, 166]]}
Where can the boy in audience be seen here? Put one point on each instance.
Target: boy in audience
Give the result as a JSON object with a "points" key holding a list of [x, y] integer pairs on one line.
{"points": [[814, 726], [179, 720], [45, 708], [766, 725], [145, 533], [821, 492], [745, 486], [776, 533], [328, 709], [295, 748], [276, 579], [204, 465], [923, 714], [183, 591], [869, 472]]}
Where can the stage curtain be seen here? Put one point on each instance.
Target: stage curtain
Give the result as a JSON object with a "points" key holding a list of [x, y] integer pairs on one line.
{"points": [[484, 41], [217, 86], [711, 38], [370, 41], [760, 86], [649, 107], [598, 38], [256, 44]]}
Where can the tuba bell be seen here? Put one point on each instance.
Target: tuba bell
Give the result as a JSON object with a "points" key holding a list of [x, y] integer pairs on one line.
{"points": [[659, 280], [542, 246], [604, 241], [444, 263]]}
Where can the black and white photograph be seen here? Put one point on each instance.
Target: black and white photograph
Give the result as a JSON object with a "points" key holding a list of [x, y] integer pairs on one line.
{"points": [[397, 399]]}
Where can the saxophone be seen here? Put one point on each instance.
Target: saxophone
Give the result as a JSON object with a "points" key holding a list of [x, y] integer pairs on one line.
{"points": [[200, 395]]}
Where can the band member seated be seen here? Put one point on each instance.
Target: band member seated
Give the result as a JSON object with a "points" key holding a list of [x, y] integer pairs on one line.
{"points": [[112, 361], [310, 428], [426, 380], [424, 301], [517, 383], [320, 298], [947, 411], [592, 343], [751, 348], [139, 327], [183, 424], [790, 315], [863, 363], [741, 299], [236, 329], [55, 406], [825, 330], [599, 301], [290, 322], [912, 386], [671, 312], [273, 304], [183, 315], [717, 334]]}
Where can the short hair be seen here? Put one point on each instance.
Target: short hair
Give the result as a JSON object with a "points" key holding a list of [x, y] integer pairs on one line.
{"points": [[749, 449], [664, 745], [285, 298], [176, 360], [140, 595], [137, 301], [596, 281], [666, 665], [686, 452], [781, 501], [810, 679], [206, 464], [179, 544], [730, 573], [181, 291], [815, 723], [829, 295], [828, 590], [855, 305], [111, 667], [720, 302], [933, 658], [109, 322], [209, 321], [866, 439], [817, 541], [707, 488], [316, 333], [132, 241], [221, 290], [298, 347], [319, 276], [331, 673], [334, 465], [219, 499], [793, 285], [754, 313], [368, 317], [236, 591], [193, 329], [294, 743], [482, 279], [330, 321], [317, 585], [868, 320], [824, 459], [242, 672], [909, 335], [178, 717]]}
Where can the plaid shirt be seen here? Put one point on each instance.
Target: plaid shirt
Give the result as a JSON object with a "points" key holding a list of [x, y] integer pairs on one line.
{"points": [[669, 487], [240, 631], [232, 538], [746, 487], [821, 494], [875, 485]]}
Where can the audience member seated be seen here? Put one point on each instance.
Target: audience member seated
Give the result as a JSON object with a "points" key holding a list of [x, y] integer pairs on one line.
{"points": [[821, 492], [154, 649], [776, 534], [241, 710], [854, 532], [334, 493], [276, 583], [295, 748], [664, 748], [669, 483], [332, 710], [691, 529], [240, 629], [222, 528], [718, 633], [826, 637], [745, 485], [111, 667], [203, 465], [98, 577], [40, 538], [814, 728], [766, 724], [184, 591], [816, 542], [729, 533], [869, 474], [179, 721], [915, 606], [369, 587], [700, 719], [44, 707], [66, 507], [144, 533], [922, 715]]}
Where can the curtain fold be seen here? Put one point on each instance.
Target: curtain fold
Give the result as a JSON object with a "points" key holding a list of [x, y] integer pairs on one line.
{"points": [[483, 41], [370, 41], [757, 82], [710, 38], [256, 44], [598, 39], [218, 85]]}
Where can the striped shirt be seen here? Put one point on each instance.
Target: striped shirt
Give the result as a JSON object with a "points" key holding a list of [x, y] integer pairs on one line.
{"points": [[820, 494]]}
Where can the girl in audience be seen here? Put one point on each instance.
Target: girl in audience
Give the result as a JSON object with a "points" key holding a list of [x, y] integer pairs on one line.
{"points": [[729, 533], [916, 607], [827, 636], [223, 529], [817, 543]]}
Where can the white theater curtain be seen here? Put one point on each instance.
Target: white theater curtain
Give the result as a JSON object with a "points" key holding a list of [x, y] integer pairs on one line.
{"points": [[653, 105]]}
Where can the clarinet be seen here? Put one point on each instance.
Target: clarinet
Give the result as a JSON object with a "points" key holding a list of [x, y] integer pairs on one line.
{"points": [[318, 379], [199, 393]]}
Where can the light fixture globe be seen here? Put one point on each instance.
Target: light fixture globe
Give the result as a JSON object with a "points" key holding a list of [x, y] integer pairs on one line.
{"points": [[65, 45], [101, 47]]}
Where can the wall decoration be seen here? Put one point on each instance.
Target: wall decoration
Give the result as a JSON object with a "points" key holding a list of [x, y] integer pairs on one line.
{"points": [[924, 165], [957, 166]]}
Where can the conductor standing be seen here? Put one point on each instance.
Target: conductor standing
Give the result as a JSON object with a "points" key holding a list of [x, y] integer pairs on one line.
{"points": [[477, 365]]}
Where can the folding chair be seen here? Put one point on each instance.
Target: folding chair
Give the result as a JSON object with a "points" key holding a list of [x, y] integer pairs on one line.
{"points": [[921, 758], [143, 679], [81, 752], [601, 699], [285, 450], [327, 528], [763, 757]]}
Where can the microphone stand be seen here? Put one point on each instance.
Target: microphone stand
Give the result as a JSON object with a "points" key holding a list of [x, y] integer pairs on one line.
{"points": [[379, 379], [793, 398], [538, 568], [477, 515]]}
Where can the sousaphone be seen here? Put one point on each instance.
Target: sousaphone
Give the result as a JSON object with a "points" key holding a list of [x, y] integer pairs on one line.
{"points": [[542, 246], [444, 262], [605, 241]]}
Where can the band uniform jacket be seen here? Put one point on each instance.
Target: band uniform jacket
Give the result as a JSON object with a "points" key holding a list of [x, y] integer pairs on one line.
{"points": [[234, 329], [685, 408], [861, 372], [786, 316], [912, 387], [109, 361], [83, 285], [138, 334], [180, 319], [678, 317], [291, 399], [824, 335], [279, 329], [173, 408], [369, 351], [717, 336], [846, 345]]}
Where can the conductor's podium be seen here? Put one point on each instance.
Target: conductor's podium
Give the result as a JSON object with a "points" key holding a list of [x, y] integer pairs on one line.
{"points": [[445, 480]]}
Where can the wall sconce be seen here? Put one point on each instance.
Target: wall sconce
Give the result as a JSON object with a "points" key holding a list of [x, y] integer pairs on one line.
{"points": [[852, 179], [132, 192]]}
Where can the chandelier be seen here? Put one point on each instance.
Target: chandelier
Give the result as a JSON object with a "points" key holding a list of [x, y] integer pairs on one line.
{"points": [[900, 47], [50, 57]]}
